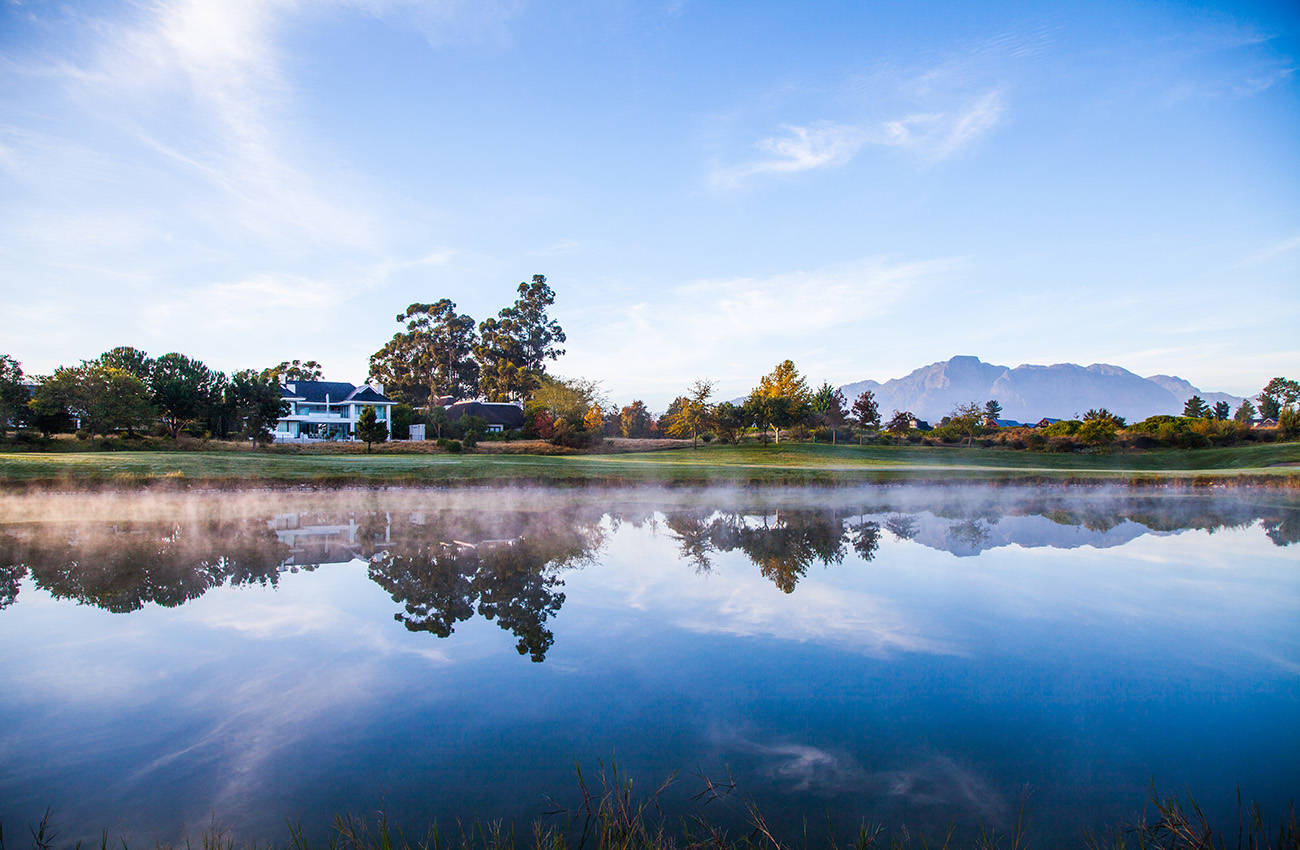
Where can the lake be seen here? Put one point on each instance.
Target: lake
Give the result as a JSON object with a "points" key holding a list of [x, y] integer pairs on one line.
{"points": [[887, 654]]}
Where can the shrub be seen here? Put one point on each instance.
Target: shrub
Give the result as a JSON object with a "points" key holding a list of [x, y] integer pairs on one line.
{"points": [[1096, 432], [1288, 422], [453, 446], [1064, 428], [1063, 443]]}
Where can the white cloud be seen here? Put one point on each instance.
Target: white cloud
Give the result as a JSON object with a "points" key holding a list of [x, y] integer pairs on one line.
{"points": [[820, 145], [932, 135], [740, 326]]}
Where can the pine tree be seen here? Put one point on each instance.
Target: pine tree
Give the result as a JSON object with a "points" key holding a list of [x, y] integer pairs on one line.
{"points": [[370, 429]]}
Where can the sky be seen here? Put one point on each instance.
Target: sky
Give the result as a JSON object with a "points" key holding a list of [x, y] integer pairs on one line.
{"points": [[710, 188]]}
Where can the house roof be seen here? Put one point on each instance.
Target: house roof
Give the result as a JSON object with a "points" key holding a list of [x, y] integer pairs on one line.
{"points": [[335, 391], [496, 413]]}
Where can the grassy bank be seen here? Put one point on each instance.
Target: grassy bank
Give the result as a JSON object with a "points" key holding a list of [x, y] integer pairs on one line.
{"points": [[1272, 463], [611, 817]]}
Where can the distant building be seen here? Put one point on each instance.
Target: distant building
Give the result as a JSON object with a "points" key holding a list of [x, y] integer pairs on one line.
{"points": [[1044, 422], [328, 410], [1263, 423], [500, 416], [919, 424], [990, 422]]}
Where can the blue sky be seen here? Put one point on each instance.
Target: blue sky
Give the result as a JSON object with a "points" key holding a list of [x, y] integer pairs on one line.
{"points": [[862, 187]]}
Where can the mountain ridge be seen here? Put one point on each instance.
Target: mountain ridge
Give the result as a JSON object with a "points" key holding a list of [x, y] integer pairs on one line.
{"points": [[1030, 392]]}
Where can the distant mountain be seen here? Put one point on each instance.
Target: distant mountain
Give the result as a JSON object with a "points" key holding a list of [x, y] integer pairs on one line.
{"points": [[1029, 393]]}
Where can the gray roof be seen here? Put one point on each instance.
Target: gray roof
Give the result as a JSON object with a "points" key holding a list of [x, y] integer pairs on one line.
{"points": [[336, 391], [505, 414]]}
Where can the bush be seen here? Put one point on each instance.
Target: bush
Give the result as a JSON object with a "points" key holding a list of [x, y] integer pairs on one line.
{"points": [[1288, 423], [1060, 443], [1064, 428], [453, 446]]}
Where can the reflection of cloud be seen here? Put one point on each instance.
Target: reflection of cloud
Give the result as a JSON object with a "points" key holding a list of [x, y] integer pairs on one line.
{"points": [[735, 599], [929, 781], [808, 768], [941, 782], [260, 615]]}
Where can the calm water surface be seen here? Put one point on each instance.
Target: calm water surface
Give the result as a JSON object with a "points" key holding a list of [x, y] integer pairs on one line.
{"points": [[882, 654]]}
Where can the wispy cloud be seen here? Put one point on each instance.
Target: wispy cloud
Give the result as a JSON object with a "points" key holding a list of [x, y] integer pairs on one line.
{"points": [[820, 145], [931, 135]]}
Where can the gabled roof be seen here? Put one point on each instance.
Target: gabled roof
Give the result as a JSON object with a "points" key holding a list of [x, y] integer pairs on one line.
{"points": [[336, 391], [367, 393], [505, 414]]}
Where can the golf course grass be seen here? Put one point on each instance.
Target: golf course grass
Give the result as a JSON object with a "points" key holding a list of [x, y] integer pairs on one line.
{"points": [[787, 463]]}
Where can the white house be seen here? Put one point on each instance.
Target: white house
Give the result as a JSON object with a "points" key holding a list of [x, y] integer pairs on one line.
{"points": [[328, 410]]}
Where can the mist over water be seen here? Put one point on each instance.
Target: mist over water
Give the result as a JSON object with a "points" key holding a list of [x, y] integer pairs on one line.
{"points": [[892, 654]]}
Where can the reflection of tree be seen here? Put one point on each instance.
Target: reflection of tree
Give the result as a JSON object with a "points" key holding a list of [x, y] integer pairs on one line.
{"points": [[969, 534], [694, 532], [120, 568], [902, 526], [783, 545], [512, 572], [517, 590], [866, 539], [1283, 530], [433, 581], [12, 570]]}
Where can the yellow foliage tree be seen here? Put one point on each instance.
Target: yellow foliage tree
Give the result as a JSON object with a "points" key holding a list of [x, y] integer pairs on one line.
{"points": [[595, 419]]}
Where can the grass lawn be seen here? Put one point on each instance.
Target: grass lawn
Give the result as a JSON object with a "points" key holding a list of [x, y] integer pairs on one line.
{"points": [[788, 463]]}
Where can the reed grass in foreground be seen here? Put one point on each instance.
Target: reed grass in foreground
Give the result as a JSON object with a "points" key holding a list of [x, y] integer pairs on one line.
{"points": [[611, 817]]}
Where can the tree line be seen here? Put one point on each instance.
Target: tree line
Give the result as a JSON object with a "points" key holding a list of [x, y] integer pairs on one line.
{"points": [[126, 390]]}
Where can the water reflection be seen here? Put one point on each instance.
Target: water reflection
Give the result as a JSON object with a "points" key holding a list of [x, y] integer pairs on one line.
{"points": [[442, 566]]}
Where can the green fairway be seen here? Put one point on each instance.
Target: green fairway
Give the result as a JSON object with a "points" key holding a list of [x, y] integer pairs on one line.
{"points": [[794, 463]]}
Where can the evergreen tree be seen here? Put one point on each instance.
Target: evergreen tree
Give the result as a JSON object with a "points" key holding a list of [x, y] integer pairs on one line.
{"points": [[1196, 408], [370, 429]]}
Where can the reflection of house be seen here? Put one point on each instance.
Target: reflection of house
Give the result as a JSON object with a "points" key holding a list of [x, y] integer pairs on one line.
{"points": [[324, 543], [500, 416], [328, 410]]}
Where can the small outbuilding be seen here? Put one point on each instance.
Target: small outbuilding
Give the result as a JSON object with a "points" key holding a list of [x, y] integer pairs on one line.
{"points": [[500, 416]]}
